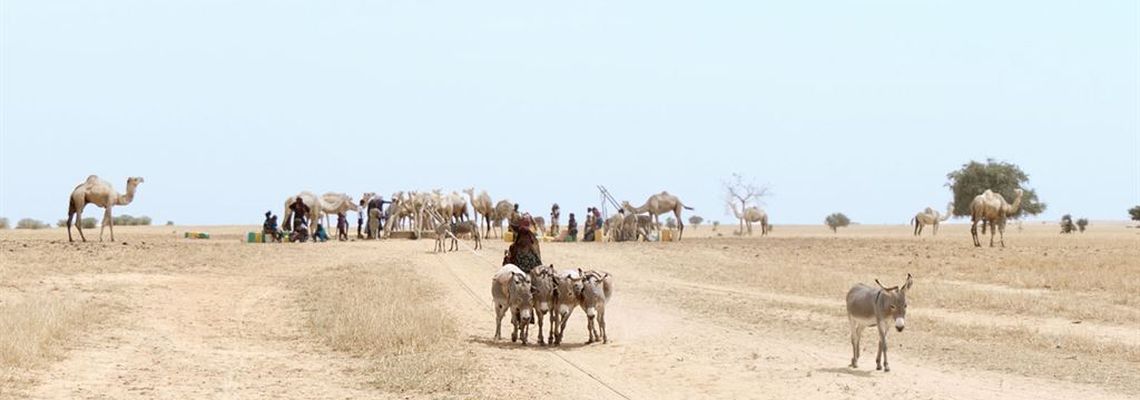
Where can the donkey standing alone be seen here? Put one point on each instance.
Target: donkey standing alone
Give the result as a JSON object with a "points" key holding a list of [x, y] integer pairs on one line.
{"points": [[870, 306]]}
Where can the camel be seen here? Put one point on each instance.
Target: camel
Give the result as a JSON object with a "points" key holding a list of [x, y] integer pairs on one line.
{"points": [[99, 192], [751, 215], [458, 207], [659, 204], [328, 204], [930, 217], [990, 208], [482, 205], [336, 203], [504, 209]]}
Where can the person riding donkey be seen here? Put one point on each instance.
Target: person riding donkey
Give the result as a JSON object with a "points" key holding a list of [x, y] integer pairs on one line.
{"points": [[524, 251]]}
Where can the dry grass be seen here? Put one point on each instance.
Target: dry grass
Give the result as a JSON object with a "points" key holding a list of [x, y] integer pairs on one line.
{"points": [[388, 314], [1010, 310], [37, 326]]}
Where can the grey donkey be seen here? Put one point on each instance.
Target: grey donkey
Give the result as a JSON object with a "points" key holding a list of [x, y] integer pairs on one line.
{"points": [[567, 289], [542, 292], [511, 291], [597, 289], [876, 306]]}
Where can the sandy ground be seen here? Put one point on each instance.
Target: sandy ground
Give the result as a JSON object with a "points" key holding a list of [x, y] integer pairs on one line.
{"points": [[1049, 317]]}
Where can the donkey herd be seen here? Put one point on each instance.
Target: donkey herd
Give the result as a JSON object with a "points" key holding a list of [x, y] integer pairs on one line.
{"points": [[529, 296]]}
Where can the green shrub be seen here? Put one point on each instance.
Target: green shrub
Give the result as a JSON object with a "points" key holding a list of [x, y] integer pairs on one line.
{"points": [[86, 223], [28, 223], [836, 221], [1067, 225], [128, 220], [695, 221]]}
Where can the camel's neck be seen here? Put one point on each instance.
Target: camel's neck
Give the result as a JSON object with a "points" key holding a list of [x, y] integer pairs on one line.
{"points": [[125, 199], [1016, 205], [949, 211], [643, 208]]}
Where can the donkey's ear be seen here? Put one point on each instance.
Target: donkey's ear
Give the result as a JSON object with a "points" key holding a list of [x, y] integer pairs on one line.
{"points": [[909, 282]]}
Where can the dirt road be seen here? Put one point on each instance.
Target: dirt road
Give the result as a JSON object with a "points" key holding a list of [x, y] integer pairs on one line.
{"points": [[224, 320]]}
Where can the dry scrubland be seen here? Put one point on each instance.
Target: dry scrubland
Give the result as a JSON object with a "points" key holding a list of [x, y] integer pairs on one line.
{"points": [[155, 315]]}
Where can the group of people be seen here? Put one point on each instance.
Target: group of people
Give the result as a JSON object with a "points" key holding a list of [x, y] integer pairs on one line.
{"points": [[297, 230], [524, 251], [589, 229]]}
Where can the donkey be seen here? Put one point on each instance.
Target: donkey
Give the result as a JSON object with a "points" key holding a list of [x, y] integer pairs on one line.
{"points": [[870, 306], [542, 298], [511, 291]]}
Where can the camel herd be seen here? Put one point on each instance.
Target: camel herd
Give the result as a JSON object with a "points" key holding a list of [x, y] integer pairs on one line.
{"points": [[423, 211]]}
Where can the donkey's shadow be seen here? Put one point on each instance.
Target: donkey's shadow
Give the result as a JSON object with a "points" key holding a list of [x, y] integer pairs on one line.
{"points": [[533, 345], [847, 371]]}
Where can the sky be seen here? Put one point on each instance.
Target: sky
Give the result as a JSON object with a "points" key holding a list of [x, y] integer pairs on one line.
{"points": [[227, 108]]}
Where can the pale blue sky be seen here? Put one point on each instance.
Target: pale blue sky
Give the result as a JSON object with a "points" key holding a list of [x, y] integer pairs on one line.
{"points": [[860, 107]]}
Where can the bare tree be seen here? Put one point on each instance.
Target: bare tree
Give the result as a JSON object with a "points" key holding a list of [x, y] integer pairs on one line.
{"points": [[738, 190]]}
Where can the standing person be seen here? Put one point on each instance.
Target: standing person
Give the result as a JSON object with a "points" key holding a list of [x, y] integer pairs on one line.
{"points": [[555, 213], [341, 227], [524, 251], [375, 214], [300, 218], [597, 218], [589, 227], [572, 229], [360, 221], [513, 219]]}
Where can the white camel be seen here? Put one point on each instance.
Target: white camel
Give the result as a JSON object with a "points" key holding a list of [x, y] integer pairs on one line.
{"points": [[328, 204], [751, 215], [100, 193], [659, 204], [482, 205], [930, 216]]}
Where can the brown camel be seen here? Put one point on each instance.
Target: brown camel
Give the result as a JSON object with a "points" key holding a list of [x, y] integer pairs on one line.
{"points": [[991, 208]]}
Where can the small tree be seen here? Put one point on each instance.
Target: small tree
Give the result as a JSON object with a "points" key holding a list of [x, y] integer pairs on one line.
{"points": [[670, 223], [836, 221], [695, 221], [715, 224], [1000, 177], [28, 223], [746, 193], [1135, 213], [169, 223], [3, 223], [1082, 223], [1067, 225]]}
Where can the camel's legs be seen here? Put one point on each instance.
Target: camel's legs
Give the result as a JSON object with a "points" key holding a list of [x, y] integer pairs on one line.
{"points": [[108, 222], [974, 233], [681, 225], [69, 216], [1001, 232], [993, 231]]}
